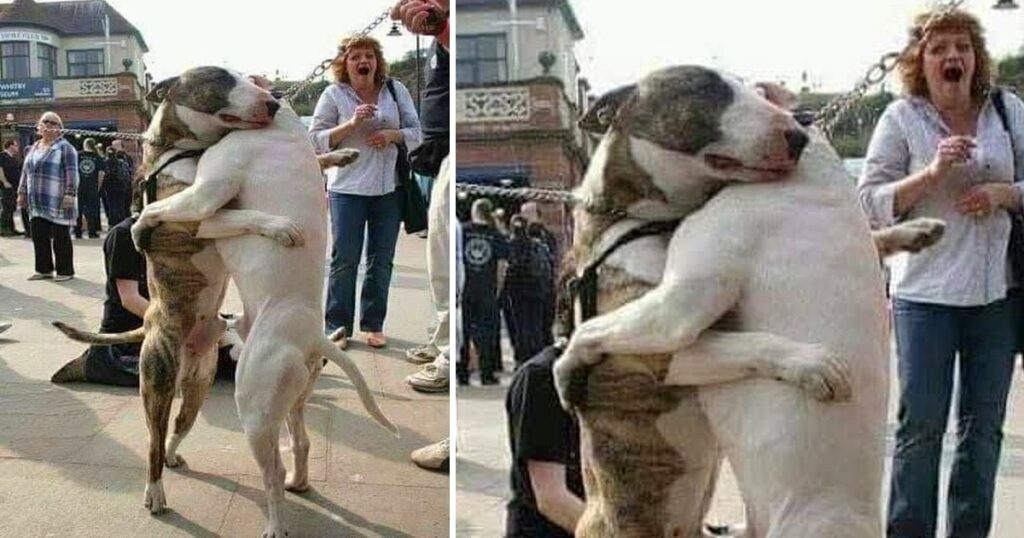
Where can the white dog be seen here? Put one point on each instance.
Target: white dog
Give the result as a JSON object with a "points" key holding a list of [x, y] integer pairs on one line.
{"points": [[273, 169], [794, 259]]}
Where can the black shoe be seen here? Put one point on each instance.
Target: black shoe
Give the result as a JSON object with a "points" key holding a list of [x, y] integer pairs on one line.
{"points": [[488, 380], [94, 236]]}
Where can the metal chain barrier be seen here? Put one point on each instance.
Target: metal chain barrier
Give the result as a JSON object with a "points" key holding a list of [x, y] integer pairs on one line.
{"points": [[523, 194], [830, 114], [319, 70]]}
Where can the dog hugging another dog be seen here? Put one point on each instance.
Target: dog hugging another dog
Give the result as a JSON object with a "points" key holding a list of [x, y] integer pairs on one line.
{"points": [[772, 275], [253, 147]]}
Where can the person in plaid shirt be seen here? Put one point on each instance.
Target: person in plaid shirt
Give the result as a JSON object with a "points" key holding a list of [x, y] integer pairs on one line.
{"points": [[48, 188]]}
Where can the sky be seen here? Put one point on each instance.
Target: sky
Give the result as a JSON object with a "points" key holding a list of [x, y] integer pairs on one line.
{"points": [[834, 41], [292, 37]]}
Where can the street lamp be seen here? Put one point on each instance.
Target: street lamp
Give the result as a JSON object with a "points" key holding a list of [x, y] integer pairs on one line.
{"points": [[1005, 4], [396, 33]]}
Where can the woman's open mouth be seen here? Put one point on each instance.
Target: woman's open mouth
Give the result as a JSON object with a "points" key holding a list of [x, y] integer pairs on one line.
{"points": [[952, 73], [363, 70]]}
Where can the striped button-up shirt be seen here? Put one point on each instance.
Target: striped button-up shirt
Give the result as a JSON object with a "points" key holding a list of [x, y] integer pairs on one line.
{"points": [[48, 175], [373, 173], [969, 266]]}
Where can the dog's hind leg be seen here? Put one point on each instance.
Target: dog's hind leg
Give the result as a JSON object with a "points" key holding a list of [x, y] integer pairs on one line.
{"points": [[298, 479], [158, 366], [194, 388], [270, 378]]}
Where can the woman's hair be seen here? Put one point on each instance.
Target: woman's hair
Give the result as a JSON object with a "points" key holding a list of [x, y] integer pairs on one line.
{"points": [[911, 62], [52, 116], [10, 142], [340, 68]]}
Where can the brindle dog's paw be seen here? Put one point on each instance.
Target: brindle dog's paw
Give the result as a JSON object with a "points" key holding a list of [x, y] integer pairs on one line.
{"points": [[921, 233], [142, 235], [338, 157]]}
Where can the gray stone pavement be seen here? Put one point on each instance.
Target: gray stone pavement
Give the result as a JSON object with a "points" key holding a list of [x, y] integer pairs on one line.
{"points": [[482, 480], [72, 457]]}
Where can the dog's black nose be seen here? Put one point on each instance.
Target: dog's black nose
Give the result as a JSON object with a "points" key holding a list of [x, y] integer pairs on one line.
{"points": [[272, 108], [796, 140]]}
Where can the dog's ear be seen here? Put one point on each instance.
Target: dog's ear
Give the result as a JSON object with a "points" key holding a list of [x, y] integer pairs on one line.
{"points": [[777, 95], [599, 118], [159, 92]]}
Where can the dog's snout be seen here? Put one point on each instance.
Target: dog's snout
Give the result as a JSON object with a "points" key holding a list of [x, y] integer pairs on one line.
{"points": [[272, 108], [796, 141]]}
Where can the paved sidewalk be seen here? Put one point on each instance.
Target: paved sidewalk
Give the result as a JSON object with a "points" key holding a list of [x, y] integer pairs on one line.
{"points": [[72, 457], [483, 463]]}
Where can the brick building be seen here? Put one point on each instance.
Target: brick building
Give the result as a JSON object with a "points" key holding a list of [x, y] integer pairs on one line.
{"points": [[81, 59], [519, 94]]}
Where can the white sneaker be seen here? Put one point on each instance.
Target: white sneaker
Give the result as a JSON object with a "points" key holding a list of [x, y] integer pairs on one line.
{"points": [[434, 457], [421, 355], [429, 379]]}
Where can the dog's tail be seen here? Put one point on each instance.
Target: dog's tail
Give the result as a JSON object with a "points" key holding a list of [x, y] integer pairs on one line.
{"points": [[103, 339], [331, 351]]}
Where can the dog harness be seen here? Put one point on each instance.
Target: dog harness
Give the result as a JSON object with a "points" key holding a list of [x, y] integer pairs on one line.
{"points": [[150, 182]]}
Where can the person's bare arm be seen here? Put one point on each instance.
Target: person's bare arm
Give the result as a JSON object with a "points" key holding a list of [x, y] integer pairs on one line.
{"points": [[554, 500], [4, 180], [502, 271], [131, 299]]}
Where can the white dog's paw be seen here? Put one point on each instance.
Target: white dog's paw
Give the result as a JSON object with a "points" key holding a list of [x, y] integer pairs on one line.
{"points": [[285, 231], [141, 232], [155, 500], [274, 531], [818, 371]]}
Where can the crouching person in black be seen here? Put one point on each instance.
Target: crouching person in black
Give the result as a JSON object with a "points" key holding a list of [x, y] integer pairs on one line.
{"points": [[547, 484], [123, 309]]}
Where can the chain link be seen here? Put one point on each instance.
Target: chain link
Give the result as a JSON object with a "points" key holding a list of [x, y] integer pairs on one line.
{"points": [[830, 114], [141, 137], [318, 71]]}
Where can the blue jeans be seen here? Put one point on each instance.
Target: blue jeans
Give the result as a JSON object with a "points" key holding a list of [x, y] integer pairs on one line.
{"points": [[352, 216], [928, 337]]}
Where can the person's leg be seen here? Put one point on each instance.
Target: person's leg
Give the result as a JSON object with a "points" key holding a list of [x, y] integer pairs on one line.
{"points": [[437, 269], [7, 203], [927, 337], [41, 244], [489, 340], [91, 200], [62, 249], [348, 224], [382, 224], [77, 228], [986, 369]]}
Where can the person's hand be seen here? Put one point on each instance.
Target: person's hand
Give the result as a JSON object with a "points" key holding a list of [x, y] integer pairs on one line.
{"points": [[261, 81], [414, 15], [952, 151], [983, 199], [362, 113], [384, 137], [68, 202], [5, 184], [22, 202]]}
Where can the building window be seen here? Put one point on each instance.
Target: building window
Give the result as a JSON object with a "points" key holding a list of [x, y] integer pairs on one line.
{"points": [[85, 63], [47, 60], [480, 59], [14, 59]]}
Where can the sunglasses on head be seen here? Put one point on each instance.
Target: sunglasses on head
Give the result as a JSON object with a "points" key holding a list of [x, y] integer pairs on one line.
{"points": [[48, 122]]}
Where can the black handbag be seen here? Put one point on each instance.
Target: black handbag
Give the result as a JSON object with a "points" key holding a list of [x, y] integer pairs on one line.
{"points": [[414, 205], [1015, 250]]}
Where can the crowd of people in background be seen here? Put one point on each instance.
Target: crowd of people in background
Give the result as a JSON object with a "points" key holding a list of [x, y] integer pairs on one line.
{"points": [[511, 265]]}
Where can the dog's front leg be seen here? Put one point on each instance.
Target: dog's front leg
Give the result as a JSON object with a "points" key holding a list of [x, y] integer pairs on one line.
{"points": [[235, 222], [722, 357], [214, 186], [665, 320]]}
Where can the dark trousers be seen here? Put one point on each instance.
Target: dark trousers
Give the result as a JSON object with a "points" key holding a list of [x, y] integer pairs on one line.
{"points": [[354, 217], [52, 241], [483, 328], [527, 313], [8, 207], [114, 205], [929, 337], [88, 208]]}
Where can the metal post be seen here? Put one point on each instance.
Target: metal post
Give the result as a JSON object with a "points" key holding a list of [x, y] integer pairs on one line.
{"points": [[419, 75]]}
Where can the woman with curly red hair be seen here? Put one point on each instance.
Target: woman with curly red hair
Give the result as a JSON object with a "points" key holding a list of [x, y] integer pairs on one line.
{"points": [[943, 151]]}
